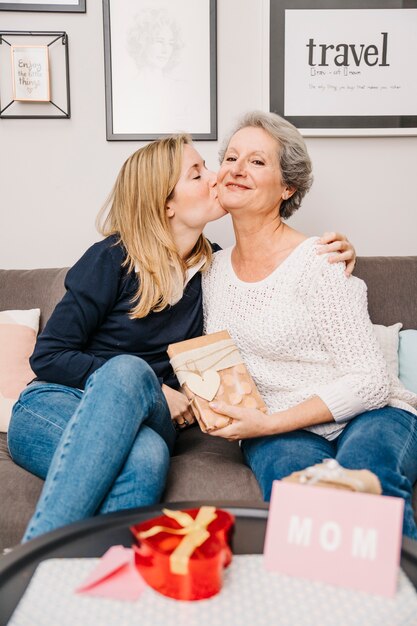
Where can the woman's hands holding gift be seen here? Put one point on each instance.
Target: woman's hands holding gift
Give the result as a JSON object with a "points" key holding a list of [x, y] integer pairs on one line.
{"points": [[179, 407], [245, 423]]}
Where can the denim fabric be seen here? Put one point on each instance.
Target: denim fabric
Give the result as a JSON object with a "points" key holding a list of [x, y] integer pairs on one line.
{"points": [[383, 441], [103, 449]]}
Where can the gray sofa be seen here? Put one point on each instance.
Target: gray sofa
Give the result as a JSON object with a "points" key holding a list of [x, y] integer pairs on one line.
{"points": [[202, 467]]}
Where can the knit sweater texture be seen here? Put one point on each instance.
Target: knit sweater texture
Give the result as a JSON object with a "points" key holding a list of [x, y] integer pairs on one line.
{"points": [[304, 331]]}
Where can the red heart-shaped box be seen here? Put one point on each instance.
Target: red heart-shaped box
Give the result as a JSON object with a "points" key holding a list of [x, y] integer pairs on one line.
{"points": [[205, 566]]}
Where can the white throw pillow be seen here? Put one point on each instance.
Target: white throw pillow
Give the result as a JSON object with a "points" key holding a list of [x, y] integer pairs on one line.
{"points": [[388, 339], [18, 331]]}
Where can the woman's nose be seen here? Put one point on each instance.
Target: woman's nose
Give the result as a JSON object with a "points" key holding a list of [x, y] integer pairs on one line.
{"points": [[237, 167]]}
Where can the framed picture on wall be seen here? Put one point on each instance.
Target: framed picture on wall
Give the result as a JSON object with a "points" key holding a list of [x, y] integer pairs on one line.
{"points": [[345, 67], [65, 6], [34, 75], [30, 73], [160, 68]]}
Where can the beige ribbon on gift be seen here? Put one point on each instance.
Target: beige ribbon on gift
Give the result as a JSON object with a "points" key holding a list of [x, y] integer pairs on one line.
{"points": [[214, 356], [195, 531]]}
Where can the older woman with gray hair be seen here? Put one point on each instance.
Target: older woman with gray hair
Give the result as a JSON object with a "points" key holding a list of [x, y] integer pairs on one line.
{"points": [[302, 327]]}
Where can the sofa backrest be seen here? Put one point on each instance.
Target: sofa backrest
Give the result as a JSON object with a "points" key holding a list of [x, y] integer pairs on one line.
{"points": [[392, 289], [32, 289]]}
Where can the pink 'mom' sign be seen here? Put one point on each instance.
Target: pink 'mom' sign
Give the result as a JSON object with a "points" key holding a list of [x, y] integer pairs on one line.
{"points": [[337, 537]]}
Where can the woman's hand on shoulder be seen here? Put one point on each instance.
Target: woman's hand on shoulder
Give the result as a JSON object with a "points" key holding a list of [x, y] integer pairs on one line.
{"points": [[179, 407], [246, 422], [341, 247]]}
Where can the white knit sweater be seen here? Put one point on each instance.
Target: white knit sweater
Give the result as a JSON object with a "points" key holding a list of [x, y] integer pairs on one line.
{"points": [[304, 331]]}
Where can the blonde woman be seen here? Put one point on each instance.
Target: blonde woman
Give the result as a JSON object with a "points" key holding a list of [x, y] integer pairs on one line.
{"points": [[100, 429], [97, 422]]}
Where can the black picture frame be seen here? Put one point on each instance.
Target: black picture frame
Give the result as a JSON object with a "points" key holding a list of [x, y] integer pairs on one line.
{"points": [[49, 7], [148, 94], [58, 107], [331, 125]]}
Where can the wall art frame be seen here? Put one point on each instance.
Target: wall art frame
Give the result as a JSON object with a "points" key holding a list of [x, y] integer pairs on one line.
{"points": [[23, 89], [160, 69], [30, 73], [63, 6], [344, 67]]}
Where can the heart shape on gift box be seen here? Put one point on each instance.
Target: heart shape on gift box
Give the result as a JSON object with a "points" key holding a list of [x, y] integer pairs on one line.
{"points": [[205, 386]]}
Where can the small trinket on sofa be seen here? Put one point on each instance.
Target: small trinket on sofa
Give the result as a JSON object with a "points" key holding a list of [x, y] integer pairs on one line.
{"points": [[331, 474]]}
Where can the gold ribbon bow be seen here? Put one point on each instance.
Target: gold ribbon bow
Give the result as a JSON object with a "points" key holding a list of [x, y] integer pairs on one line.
{"points": [[195, 531]]}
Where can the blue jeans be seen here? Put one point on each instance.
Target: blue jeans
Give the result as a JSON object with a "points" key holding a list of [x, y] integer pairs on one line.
{"points": [[383, 441], [103, 449]]}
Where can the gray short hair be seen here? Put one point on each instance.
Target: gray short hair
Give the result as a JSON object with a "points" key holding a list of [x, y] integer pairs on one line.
{"points": [[293, 158]]}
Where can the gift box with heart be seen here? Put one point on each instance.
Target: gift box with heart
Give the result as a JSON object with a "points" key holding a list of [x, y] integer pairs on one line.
{"points": [[211, 368]]}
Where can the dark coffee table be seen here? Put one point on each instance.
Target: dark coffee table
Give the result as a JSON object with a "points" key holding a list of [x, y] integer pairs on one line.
{"points": [[92, 537]]}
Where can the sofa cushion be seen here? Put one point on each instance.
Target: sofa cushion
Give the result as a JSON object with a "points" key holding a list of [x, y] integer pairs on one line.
{"points": [[388, 338], [209, 468], [18, 330], [408, 359], [20, 491]]}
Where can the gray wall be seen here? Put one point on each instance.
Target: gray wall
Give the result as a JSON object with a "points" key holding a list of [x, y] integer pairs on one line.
{"points": [[56, 174]]}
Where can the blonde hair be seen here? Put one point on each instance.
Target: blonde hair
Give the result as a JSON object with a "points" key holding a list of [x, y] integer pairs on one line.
{"points": [[138, 216]]}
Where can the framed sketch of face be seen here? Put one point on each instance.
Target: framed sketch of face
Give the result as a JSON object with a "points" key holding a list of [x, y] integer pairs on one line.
{"points": [[160, 62], [65, 6]]}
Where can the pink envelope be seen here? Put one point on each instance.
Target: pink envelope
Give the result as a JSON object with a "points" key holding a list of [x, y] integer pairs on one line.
{"points": [[115, 576]]}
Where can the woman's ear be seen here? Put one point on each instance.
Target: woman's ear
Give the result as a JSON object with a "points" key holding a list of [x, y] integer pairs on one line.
{"points": [[170, 211], [288, 192]]}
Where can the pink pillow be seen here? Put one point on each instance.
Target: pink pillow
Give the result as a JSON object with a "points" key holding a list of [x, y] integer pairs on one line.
{"points": [[18, 330]]}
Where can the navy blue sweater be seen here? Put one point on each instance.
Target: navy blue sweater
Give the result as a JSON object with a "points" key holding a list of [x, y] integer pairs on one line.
{"points": [[91, 324]]}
